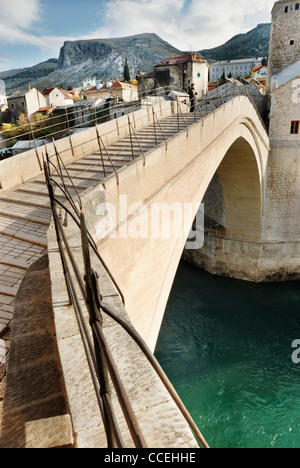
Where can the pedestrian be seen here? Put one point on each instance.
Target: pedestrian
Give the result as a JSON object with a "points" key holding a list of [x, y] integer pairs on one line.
{"points": [[192, 95]]}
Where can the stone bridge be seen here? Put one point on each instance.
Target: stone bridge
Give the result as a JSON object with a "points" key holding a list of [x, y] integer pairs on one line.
{"points": [[164, 162]]}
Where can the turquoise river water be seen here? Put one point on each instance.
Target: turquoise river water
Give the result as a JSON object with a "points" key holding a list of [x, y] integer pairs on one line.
{"points": [[226, 345]]}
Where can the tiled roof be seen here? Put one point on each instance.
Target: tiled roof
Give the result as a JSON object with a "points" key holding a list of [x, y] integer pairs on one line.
{"points": [[47, 91], [180, 60], [114, 85], [44, 109]]}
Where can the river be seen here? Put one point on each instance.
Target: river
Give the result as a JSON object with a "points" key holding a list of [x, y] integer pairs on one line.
{"points": [[226, 345]]}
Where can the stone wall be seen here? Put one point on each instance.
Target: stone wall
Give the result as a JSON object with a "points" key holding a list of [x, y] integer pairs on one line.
{"points": [[285, 28], [285, 109]]}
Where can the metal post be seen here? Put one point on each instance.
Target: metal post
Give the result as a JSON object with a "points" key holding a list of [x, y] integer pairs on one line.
{"points": [[69, 130], [34, 142], [101, 152], [153, 115], [130, 134]]}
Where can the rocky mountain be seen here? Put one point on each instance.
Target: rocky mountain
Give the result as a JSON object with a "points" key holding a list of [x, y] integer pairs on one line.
{"points": [[255, 43], [102, 58], [22, 77], [105, 58]]}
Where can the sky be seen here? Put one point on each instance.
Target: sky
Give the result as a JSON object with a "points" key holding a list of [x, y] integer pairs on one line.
{"points": [[32, 31]]}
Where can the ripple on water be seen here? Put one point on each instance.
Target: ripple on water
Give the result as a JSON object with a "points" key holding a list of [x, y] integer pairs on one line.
{"points": [[226, 346]]}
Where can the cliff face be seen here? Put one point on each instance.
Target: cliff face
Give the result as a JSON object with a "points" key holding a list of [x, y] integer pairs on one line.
{"points": [[73, 53], [105, 59], [108, 55]]}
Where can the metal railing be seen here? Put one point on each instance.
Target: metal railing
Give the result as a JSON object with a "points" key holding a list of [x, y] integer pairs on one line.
{"points": [[99, 357], [207, 104]]}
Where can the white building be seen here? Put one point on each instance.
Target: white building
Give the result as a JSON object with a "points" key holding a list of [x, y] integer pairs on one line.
{"points": [[58, 97], [22, 146], [116, 90], [89, 83], [3, 99], [236, 68]]}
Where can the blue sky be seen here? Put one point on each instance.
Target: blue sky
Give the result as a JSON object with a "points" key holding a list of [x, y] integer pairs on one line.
{"points": [[32, 31]]}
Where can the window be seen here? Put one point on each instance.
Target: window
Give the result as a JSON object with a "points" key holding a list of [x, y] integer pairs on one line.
{"points": [[295, 127], [286, 9], [292, 42], [297, 7], [198, 75]]}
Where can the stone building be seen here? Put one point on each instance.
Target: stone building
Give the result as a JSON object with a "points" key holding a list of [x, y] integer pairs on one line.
{"points": [[282, 198], [284, 73], [285, 36], [25, 102], [180, 72], [177, 73]]}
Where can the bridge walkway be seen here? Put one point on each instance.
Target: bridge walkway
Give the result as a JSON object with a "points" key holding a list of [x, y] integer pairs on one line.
{"points": [[25, 214]]}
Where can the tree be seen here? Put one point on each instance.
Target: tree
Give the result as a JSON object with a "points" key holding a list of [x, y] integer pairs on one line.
{"points": [[126, 71]]}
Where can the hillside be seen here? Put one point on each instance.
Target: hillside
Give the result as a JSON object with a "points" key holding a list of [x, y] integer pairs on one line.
{"points": [[255, 43], [22, 77], [102, 58], [105, 58]]}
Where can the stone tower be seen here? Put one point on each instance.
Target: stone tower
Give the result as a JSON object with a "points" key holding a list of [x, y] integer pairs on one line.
{"points": [[276, 255], [285, 36], [281, 221]]}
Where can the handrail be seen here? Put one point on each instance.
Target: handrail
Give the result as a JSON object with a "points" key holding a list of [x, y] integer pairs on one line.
{"points": [[88, 113], [162, 132], [99, 357], [131, 129], [101, 144], [179, 111]]}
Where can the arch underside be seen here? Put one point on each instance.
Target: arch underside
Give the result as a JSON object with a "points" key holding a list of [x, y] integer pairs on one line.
{"points": [[239, 193]]}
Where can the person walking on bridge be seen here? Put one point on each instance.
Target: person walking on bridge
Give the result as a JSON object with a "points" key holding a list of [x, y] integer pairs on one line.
{"points": [[192, 95]]}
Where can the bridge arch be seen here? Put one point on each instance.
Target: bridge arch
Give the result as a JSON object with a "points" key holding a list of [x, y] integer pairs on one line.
{"points": [[233, 143], [240, 191]]}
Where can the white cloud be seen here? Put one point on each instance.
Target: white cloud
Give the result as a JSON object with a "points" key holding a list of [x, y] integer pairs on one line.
{"points": [[186, 24], [198, 24], [19, 13]]}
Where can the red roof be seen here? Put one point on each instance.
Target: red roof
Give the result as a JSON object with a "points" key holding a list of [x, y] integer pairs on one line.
{"points": [[92, 89], [114, 85], [44, 109], [47, 91], [180, 60]]}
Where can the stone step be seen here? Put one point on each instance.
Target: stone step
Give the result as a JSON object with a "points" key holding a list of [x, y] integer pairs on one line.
{"points": [[29, 199], [24, 211], [6, 291], [10, 261]]}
